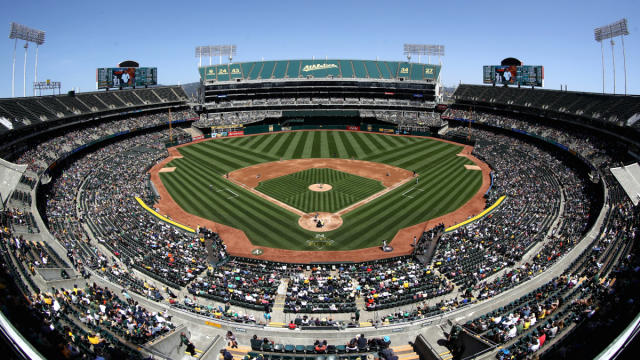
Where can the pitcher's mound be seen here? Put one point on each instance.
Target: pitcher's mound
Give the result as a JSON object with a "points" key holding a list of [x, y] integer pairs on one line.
{"points": [[320, 187], [329, 222]]}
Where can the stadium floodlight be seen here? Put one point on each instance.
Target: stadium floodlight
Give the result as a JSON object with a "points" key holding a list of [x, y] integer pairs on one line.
{"points": [[423, 49], [215, 50], [618, 28], [21, 32]]}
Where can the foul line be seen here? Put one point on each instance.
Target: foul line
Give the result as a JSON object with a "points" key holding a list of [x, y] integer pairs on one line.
{"points": [[154, 213], [482, 214]]}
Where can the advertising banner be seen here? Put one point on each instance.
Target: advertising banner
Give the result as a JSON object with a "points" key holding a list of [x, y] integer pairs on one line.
{"points": [[235, 133], [353, 128]]}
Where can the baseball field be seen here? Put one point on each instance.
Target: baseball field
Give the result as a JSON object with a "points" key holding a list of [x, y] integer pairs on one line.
{"points": [[254, 184]]}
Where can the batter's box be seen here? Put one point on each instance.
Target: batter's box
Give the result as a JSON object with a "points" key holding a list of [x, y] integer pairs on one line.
{"points": [[411, 191], [226, 191]]}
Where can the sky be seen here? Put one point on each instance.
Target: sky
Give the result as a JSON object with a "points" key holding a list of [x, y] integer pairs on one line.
{"points": [[84, 35]]}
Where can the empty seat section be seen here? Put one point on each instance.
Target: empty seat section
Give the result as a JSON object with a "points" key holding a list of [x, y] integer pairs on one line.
{"points": [[346, 68], [280, 70], [372, 69], [110, 99], [128, 97], [255, 71], [222, 73], [165, 94], [246, 69], [293, 71], [35, 107], [18, 111], [416, 72], [393, 68], [92, 101], [359, 68], [73, 104], [148, 95], [50, 102], [267, 69], [180, 92], [384, 69], [235, 71]]}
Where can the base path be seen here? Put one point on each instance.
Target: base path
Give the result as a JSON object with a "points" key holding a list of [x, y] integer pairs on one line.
{"points": [[238, 244]]}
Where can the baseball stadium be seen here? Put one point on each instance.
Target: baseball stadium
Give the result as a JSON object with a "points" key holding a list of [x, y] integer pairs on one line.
{"points": [[320, 209]]}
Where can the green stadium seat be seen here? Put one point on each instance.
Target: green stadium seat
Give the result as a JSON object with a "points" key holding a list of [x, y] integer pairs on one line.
{"points": [[267, 69], [372, 69], [360, 70], [280, 69], [293, 71], [384, 69], [346, 68]]}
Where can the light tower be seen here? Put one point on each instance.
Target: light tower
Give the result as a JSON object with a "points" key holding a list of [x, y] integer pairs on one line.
{"points": [[215, 50], [424, 49], [618, 28], [27, 34]]}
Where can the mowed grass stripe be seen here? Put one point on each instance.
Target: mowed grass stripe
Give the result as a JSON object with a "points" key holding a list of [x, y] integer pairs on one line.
{"points": [[307, 149], [249, 155], [241, 141], [267, 145], [332, 147], [342, 151], [367, 139], [316, 148], [291, 147], [376, 144], [350, 140], [227, 160], [282, 139], [325, 149], [285, 144], [251, 212], [384, 204], [350, 151], [359, 137], [398, 154], [297, 153], [390, 155], [190, 152], [405, 212], [389, 142], [293, 189], [416, 209], [256, 141], [234, 214]]}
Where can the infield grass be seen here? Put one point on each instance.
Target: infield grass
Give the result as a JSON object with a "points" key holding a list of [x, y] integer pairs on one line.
{"points": [[198, 186], [293, 189]]}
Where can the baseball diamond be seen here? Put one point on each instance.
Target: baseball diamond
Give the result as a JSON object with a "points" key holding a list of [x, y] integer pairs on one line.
{"points": [[201, 184]]}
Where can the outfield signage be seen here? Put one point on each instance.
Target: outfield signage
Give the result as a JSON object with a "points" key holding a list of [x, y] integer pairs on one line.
{"points": [[353, 128], [315, 67], [236, 133]]}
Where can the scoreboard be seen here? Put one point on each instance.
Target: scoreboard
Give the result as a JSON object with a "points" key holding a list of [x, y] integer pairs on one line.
{"points": [[527, 75], [107, 78]]}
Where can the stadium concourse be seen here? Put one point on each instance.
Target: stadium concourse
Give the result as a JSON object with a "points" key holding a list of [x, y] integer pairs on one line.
{"points": [[100, 276]]}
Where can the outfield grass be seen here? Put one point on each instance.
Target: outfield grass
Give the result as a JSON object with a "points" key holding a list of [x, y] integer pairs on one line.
{"points": [[444, 185], [293, 189]]}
